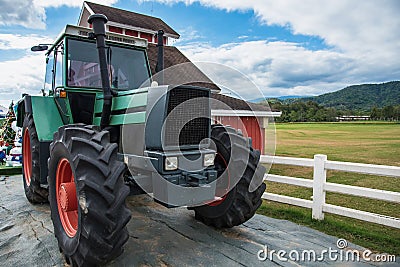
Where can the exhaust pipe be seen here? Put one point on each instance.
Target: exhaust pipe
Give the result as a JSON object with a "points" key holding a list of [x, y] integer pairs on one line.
{"points": [[160, 56], [98, 22]]}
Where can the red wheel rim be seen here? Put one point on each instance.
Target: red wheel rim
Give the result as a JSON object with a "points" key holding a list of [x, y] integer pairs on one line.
{"points": [[219, 201], [67, 202], [27, 157]]}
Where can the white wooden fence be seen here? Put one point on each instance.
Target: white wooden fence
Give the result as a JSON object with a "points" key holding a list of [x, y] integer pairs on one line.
{"points": [[320, 186]]}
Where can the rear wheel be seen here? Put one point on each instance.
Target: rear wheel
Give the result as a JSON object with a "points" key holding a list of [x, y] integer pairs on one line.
{"points": [[30, 163], [240, 203], [87, 195]]}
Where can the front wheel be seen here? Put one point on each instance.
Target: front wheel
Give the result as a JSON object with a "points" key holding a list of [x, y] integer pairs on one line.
{"points": [[241, 202], [87, 195]]}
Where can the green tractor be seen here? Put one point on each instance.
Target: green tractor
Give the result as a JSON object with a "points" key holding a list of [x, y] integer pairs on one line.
{"points": [[106, 130]]}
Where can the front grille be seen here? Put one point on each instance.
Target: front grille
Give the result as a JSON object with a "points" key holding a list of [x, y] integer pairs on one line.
{"points": [[188, 119]]}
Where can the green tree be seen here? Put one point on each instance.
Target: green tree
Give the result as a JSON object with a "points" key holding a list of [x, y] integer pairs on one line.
{"points": [[388, 112], [397, 113], [376, 113]]}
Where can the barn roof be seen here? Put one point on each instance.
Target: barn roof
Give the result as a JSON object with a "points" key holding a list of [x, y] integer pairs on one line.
{"points": [[188, 74], [132, 19], [226, 102]]}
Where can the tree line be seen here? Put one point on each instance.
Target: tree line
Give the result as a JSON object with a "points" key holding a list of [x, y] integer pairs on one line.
{"points": [[388, 113], [310, 111]]}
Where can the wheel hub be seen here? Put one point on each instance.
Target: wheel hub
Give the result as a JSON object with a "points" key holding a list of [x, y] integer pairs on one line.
{"points": [[67, 197], [67, 201]]}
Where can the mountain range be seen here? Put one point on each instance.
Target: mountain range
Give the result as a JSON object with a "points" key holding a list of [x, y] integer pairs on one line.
{"points": [[356, 97], [361, 97]]}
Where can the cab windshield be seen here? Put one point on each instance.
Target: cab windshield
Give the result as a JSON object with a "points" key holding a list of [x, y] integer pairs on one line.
{"points": [[128, 68]]}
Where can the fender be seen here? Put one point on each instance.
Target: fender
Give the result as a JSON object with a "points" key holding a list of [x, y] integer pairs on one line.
{"points": [[23, 106], [46, 115]]}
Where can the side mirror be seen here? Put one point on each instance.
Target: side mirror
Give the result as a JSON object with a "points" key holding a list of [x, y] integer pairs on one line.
{"points": [[38, 48]]}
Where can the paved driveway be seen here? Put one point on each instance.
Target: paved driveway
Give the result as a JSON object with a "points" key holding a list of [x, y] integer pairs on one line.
{"points": [[162, 237]]}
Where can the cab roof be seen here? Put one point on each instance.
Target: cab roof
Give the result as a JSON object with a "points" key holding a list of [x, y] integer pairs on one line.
{"points": [[73, 30]]}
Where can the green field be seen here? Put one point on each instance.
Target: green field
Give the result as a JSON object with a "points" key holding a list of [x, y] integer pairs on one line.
{"points": [[376, 143]]}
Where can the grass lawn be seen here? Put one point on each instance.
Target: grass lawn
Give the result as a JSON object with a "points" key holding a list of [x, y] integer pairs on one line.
{"points": [[376, 143]]}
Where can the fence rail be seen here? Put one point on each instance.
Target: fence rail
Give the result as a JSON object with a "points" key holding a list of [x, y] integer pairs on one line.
{"points": [[320, 186]]}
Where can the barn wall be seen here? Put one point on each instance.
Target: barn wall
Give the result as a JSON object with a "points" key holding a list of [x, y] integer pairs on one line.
{"points": [[249, 126], [85, 15]]}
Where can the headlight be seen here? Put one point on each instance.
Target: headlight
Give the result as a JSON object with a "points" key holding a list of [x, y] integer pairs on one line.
{"points": [[208, 160], [171, 163]]}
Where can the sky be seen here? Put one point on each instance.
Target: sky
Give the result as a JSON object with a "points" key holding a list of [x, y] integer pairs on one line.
{"points": [[285, 47]]}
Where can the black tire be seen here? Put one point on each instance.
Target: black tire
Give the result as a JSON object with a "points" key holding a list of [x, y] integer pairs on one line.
{"points": [[100, 193], [239, 205], [31, 168]]}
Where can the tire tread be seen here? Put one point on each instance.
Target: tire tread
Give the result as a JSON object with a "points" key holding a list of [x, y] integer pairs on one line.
{"points": [[245, 203], [99, 178]]}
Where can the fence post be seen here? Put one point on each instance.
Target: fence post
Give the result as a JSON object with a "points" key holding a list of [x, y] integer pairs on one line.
{"points": [[318, 186]]}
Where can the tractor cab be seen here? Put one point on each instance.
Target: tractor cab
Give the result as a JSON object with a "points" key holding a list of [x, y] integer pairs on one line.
{"points": [[73, 73]]}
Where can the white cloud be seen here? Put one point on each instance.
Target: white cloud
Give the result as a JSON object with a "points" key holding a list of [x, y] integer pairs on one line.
{"points": [[348, 25], [31, 13], [363, 39], [22, 12], [188, 35], [282, 68], [25, 75], [18, 41]]}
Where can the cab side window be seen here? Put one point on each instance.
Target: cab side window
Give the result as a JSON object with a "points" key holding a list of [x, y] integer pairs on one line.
{"points": [[59, 54], [54, 69], [48, 82]]}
